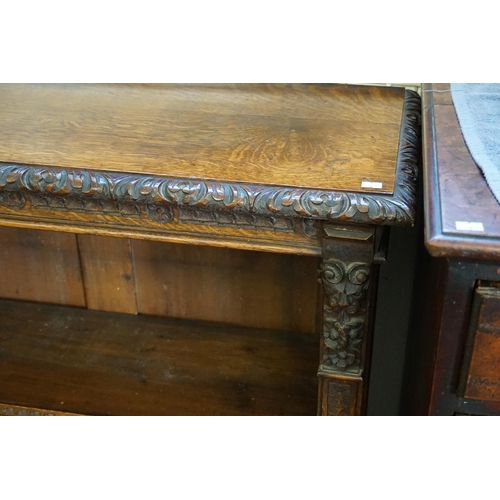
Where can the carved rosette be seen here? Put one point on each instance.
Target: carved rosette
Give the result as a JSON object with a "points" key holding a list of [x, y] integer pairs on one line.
{"points": [[345, 306], [160, 213], [12, 200], [220, 218]]}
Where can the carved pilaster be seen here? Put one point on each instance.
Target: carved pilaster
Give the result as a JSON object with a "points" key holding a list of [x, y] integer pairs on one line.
{"points": [[345, 274], [345, 287]]}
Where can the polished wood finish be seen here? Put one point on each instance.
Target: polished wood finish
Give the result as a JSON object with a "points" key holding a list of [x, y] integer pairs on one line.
{"points": [[307, 170], [454, 184], [205, 211], [454, 355], [92, 362], [313, 136]]}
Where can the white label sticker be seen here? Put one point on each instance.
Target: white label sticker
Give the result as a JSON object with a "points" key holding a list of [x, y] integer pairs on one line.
{"points": [[373, 185], [469, 226]]}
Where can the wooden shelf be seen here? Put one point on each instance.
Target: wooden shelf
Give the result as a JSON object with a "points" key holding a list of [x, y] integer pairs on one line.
{"points": [[90, 362]]}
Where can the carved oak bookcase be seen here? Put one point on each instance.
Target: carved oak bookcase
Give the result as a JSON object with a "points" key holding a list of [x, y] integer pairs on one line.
{"points": [[311, 172]]}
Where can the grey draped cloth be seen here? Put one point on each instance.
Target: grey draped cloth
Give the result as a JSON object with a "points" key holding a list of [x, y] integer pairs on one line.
{"points": [[478, 111]]}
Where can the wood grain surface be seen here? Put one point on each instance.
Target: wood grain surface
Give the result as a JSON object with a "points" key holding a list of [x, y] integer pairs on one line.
{"points": [[253, 289], [108, 273], [93, 362], [299, 135], [41, 266], [455, 188]]}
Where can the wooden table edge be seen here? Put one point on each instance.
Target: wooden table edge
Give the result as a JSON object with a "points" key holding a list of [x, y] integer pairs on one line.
{"points": [[19, 182], [438, 242]]}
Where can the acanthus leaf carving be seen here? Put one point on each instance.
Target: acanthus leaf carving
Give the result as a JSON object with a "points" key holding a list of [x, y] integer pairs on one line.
{"points": [[238, 197], [345, 305]]}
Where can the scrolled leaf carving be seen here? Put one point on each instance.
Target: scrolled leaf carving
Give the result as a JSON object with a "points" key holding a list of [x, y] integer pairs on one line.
{"points": [[146, 190], [345, 287]]}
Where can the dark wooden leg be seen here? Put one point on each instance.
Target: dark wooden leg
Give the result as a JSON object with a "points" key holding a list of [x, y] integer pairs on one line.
{"points": [[345, 275]]}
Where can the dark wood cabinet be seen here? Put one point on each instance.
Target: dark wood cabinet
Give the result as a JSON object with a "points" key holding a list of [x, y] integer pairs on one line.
{"points": [[454, 355]]}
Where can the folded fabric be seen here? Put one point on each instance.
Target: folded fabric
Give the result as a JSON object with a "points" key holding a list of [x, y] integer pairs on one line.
{"points": [[478, 111]]}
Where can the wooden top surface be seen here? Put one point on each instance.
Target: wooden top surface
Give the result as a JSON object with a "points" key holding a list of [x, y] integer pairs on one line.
{"points": [[330, 137], [454, 187]]}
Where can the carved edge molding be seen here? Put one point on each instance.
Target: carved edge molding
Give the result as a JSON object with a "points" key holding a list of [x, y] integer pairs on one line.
{"points": [[345, 307], [18, 182], [22, 411], [409, 155]]}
